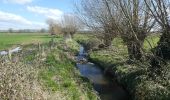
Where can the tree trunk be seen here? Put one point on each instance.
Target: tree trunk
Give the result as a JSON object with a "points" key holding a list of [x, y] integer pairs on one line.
{"points": [[134, 50], [67, 36], [163, 48], [108, 40], [135, 45], [162, 53], [72, 34]]}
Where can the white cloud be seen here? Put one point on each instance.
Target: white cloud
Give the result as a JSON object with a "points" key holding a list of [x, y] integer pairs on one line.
{"points": [[18, 1], [9, 20], [12, 18], [47, 12]]}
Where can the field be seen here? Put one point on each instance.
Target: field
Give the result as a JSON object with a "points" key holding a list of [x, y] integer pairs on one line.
{"points": [[8, 40]]}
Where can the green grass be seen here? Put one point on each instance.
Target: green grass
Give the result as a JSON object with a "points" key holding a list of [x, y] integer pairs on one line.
{"points": [[83, 37], [8, 40], [61, 75], [151, 42]]}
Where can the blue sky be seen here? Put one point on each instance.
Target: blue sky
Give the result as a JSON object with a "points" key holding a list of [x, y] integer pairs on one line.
{"points": [[32, 14]]}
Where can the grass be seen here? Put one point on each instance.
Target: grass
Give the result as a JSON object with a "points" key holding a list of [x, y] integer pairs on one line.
{"points": [[151, 42], [61, 75], [134, 77], [8, 40], [42, 72]]}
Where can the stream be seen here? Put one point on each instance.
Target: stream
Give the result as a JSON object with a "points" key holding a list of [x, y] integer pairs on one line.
{"points": [[105, 86]]}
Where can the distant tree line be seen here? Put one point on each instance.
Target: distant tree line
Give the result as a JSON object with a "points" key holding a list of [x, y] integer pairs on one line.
{"points": [[11, 30]]}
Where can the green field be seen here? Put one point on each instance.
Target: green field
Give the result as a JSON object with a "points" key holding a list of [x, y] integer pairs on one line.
{"points": [[8, 40]]}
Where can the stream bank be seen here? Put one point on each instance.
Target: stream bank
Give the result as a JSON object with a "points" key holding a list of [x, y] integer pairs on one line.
{"points": [[134, 77], [106, 87]]}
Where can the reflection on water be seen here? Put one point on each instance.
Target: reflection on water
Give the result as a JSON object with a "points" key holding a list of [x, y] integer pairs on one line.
{"points": [[94, 74], [107, 88], [81, 52]]}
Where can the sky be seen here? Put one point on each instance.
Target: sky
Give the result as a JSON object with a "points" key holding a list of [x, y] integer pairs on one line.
{"points": [[32, 14]]}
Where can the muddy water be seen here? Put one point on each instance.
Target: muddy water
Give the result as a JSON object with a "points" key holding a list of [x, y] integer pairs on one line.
{"points": [[106, 87]]}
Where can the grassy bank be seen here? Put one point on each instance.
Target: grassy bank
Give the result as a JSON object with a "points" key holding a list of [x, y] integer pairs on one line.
{"points": [[135, 77], [44, 72]]}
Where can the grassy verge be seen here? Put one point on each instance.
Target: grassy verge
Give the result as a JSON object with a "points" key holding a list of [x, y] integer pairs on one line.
{"points": [[134, 77], [41, 72]]}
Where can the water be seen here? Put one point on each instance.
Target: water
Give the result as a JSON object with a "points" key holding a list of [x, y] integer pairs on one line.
{"points": [[106, 87], [81, 52]]}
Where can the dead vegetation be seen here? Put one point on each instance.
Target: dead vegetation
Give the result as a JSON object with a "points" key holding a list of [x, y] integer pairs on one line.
{"points": [[40, 73]]}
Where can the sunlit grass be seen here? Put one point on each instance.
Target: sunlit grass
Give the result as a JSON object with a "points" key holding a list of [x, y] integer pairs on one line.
{"points": [[151, 42], [8, 40]]}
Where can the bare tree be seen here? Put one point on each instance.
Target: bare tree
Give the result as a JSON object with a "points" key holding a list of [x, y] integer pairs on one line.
{"points": [[101, 17], [137, 23], [69, 26], [160, 11], [54, 27], [131, 19]]}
